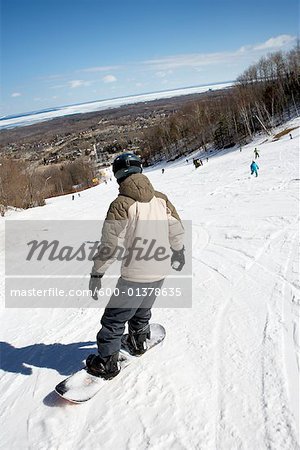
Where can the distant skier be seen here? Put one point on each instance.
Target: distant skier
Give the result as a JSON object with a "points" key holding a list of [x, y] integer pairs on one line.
{"points": [[254, 168], [291, 137], [162, 171], [136, 205], [256, 154], [196, 163]]}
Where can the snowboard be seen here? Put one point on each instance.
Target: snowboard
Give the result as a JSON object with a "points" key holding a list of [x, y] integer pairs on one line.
{"points": [[82, 386]]}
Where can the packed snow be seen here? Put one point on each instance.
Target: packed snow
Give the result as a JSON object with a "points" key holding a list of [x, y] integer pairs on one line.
{"points": [[226, 376]]}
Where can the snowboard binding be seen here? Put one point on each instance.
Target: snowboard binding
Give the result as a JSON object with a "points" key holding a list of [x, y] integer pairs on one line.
{"points": [[106, 368], [137, 340]]}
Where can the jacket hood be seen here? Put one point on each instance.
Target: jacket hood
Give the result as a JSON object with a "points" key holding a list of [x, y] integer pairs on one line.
{"points": [[138, 187]]}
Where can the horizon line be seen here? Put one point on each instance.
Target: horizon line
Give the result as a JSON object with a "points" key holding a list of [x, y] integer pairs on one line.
{"points": [[26, 113]]}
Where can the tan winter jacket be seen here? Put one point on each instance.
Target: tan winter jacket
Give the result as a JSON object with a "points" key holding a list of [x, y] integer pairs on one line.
{"points": [[140, 227]]}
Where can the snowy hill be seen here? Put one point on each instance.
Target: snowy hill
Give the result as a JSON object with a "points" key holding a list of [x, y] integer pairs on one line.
{"points": [[226, 375]]}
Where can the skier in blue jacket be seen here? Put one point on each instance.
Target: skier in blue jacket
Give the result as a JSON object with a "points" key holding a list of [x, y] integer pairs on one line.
{"points": [[254, 168]]}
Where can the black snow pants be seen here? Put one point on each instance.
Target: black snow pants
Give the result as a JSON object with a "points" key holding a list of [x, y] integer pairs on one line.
{"points": [[132, 303]]}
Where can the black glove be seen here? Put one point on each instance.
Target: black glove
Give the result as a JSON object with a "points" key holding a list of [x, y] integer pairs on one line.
{"points": [[178, 259], [95, 283]]}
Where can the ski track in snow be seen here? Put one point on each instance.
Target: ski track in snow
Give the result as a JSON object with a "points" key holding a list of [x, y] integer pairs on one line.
{"points": [[226, 375]]}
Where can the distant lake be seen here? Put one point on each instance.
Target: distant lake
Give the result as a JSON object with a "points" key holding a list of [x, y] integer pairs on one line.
{"points": [[29, 118]]}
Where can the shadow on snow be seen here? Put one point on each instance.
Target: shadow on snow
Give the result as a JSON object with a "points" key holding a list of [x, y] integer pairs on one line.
{"points": [[64, 358]]}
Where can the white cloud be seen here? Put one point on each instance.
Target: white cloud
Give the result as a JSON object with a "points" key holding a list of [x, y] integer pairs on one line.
{"points": [[186, 60], [165, 66], [99, 69], [78, 83], [59, 86], [276, 42], [72, 84], [162, 74], [196, 60], [50, 77], [16, 94], [109, 79]]}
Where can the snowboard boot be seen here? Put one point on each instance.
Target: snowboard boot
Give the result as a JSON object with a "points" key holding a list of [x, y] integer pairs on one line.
{"points": [[137, 340], [106, 368]]}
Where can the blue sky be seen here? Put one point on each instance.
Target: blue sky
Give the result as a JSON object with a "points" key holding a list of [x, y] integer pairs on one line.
{"points": [[58, 52]]}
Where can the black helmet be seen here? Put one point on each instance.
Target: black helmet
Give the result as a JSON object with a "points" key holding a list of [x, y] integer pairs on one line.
{"points": [[126, 164]]}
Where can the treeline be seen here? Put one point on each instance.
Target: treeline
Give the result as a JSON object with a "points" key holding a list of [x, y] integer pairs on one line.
{"points": [[24, 187], [65, 178], [265, 95]]}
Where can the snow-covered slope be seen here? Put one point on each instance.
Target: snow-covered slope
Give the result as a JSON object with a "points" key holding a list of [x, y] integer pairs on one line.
{"points": [[226, 375]]}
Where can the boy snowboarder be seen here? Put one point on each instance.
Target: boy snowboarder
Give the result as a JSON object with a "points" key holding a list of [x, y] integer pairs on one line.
{"points": [[254, 168], [137, 204]]}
